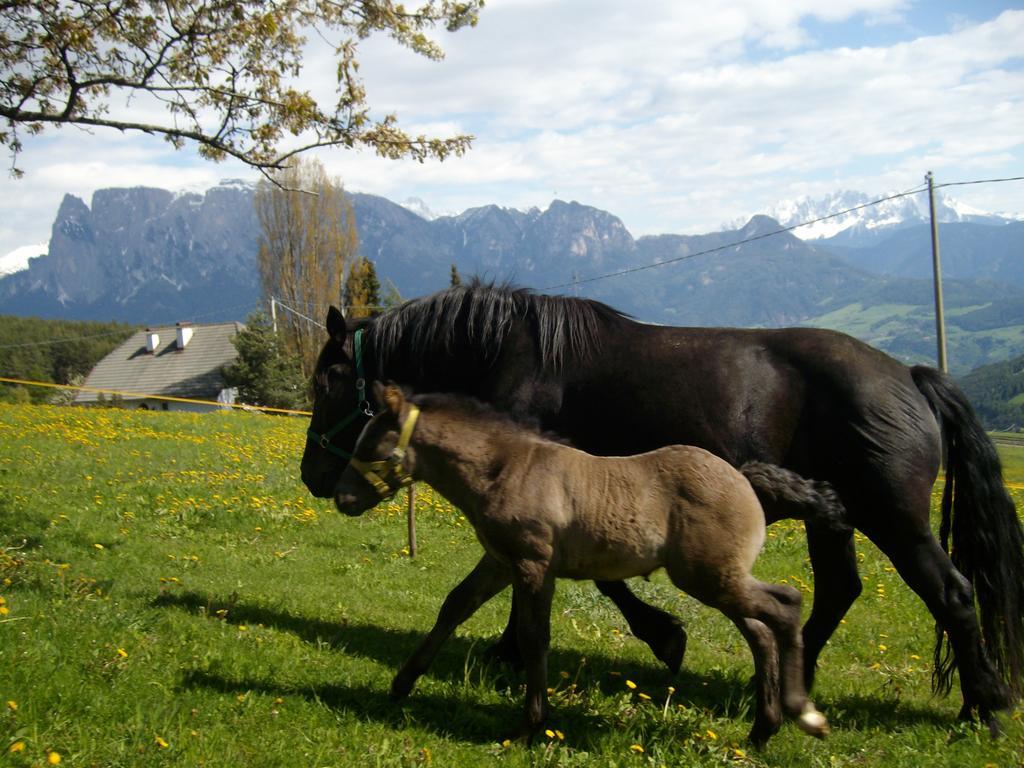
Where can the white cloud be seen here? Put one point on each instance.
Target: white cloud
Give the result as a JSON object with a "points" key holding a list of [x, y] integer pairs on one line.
{"points": [[675, 116]]}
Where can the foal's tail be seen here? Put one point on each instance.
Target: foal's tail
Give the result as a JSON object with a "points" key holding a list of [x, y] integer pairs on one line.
{"points": [[988, 542], [785, 494]]}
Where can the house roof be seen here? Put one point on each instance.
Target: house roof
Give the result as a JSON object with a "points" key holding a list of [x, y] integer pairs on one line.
{"points": [[193, 372]]}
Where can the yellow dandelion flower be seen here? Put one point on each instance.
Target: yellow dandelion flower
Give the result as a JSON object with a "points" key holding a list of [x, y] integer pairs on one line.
{"points": [[53, 758], [506, 743], [98, 546], [4, 610], [636, 748], [16, 747], [161, 742], [122, 653], [711, 734], [549, 733], [560, 735], [737, 752], [631, 685], [644, 696], [12, 705]]}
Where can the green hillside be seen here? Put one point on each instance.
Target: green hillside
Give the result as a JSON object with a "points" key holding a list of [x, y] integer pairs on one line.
{"points": [[997, 392], [54, 351]]}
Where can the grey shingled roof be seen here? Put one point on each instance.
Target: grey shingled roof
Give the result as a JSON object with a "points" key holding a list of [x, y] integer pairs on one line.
{"points": [[193, 372]]}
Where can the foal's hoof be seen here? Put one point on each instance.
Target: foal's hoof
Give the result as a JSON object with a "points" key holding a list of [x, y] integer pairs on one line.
{"points": [[673, 649], [812, 721]]}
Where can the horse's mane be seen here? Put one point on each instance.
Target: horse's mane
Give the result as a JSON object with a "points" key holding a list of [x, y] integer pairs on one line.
{"points": [[481, 315]]}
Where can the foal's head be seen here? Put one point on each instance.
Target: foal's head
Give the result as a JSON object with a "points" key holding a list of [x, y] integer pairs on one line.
{"points": [[381, 460]]}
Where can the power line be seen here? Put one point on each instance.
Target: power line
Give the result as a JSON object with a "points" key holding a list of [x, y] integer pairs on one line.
{"points": [[736, 243], [299, 314], [978, 181], [790, 228]]}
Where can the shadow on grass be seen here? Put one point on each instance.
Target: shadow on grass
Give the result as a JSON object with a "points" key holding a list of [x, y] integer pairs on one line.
{"points": [[449, 716], [726, 694]]}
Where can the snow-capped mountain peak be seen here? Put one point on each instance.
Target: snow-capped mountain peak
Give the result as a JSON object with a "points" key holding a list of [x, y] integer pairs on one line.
{"points": [[853, 212], [17, 260]]}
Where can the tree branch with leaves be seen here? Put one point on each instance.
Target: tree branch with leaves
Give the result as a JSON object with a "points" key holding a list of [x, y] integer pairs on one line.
{"points": [[223, 71]]}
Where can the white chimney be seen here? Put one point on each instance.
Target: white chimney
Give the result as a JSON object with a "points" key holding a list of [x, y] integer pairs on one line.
{"points": [[184, 333], [152, 340]]}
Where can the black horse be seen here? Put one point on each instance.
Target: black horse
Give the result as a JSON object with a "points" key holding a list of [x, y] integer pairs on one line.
{"points": [[814, 401]]}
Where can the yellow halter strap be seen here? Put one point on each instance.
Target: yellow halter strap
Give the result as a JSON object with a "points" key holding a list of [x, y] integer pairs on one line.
{"points": [[388, 475]]}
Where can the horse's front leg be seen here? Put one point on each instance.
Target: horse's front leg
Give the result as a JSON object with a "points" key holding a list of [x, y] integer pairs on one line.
{"points": [[534, 587], [486, 580]]}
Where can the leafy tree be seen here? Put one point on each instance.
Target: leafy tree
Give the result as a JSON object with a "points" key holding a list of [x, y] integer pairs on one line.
{"points": [[226, 74], [306, 243], [265, 373], [362, 289]]}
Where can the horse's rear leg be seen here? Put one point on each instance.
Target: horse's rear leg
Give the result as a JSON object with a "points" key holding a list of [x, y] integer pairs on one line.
{"points": [[950, 598], [663, 632], [836, 585], [486, 580]]}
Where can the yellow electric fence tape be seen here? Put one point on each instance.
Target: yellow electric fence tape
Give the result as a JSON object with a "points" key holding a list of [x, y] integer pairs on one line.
{"points": [[153, 397]]}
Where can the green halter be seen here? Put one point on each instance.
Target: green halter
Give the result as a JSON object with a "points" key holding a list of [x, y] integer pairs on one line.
{"points": [[388, 475], [362, 406]]}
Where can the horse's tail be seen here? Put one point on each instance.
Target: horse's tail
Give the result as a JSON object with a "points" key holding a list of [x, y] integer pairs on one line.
{"points": [[785, 494], [988, 542]]}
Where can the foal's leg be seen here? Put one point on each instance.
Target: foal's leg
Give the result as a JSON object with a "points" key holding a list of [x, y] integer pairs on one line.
{"points": [[486, 580], [534, 587], [778, 606], [663, 632], [768, 711]]}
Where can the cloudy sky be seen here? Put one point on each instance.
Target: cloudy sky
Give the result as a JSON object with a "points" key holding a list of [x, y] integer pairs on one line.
{"points": [[677, 116]]}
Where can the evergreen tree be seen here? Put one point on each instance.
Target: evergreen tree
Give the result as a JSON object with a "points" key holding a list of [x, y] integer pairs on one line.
{"points": [[264, 372], [456, 279], [362, 289]]}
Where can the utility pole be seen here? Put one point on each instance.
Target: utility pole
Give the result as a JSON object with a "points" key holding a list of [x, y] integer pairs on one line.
{"points": [[940, 321], [273, 313]]}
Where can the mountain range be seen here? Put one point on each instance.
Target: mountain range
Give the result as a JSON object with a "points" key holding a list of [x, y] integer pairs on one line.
{"points": [[149, 255]]}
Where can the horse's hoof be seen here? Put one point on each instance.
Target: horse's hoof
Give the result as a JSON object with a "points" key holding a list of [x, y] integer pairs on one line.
{"points": [[812, 721], [674, 649], [401, 687], [523, 735], [500, 653]]}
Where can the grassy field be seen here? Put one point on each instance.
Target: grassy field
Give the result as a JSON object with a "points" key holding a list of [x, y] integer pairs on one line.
{"points": [[173, 596]]}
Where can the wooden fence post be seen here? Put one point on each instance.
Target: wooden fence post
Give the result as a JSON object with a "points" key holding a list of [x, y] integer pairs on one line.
{"points": [[412, 521]]}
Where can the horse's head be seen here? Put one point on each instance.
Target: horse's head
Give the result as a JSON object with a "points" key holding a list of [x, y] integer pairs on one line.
{"points": [[339, 405], [382, 460]]}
